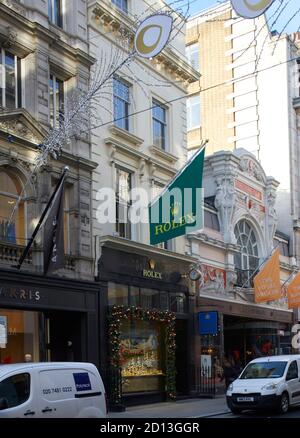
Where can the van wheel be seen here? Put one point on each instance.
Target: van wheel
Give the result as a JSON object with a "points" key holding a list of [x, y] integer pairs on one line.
{"points": [[284, 404], [236, 411]]}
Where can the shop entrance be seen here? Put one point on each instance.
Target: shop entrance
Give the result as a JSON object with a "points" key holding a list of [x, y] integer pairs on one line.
{"points": [[63, 336], [181, 357], [246, 339]]}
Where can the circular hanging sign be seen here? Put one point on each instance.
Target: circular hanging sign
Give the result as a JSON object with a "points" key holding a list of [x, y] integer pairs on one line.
{"points": [[195, 274], [152, 35], [251, 8]]}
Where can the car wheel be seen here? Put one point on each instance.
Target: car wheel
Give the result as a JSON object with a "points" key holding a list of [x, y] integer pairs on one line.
{"points": [[236, 411], [284, 404]]}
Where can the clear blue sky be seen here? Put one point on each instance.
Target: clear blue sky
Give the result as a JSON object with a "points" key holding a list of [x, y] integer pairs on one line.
{"points": [[199, 5]]}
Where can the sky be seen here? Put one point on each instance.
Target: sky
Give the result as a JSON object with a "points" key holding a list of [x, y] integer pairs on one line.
{"points": [[293, 6]]}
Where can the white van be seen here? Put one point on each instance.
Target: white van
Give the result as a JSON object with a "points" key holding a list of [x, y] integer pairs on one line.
{"points": [[51, 390], [267, 382]]}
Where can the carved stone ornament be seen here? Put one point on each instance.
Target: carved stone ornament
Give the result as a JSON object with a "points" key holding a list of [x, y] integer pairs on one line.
{"points": [[16, 6], [272, 217], [225, 203], [251, 168], [19, 129]]}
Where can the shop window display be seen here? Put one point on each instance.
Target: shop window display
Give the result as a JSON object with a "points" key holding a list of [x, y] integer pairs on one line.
{"points": [[141, 356], [19, 336]]}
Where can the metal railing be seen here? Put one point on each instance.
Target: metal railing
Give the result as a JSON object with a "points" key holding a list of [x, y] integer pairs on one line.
{"points": [[204, 381], [244, 278]]}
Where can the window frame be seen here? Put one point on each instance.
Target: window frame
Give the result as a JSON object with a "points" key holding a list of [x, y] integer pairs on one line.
{"points": [[189, 54], [57, 112], [19, 240], [127, 232], [163, 123], [28, 383], [124, 122], [190, 106], [123, 5], [17, 79], [55, 18]]}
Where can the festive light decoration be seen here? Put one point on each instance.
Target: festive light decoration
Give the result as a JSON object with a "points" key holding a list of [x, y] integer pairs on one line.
{"points": [[251, 8], [83, 106], [117, 314]]}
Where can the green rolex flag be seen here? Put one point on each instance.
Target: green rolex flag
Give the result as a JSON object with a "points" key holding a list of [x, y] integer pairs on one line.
{"points": [[179, 208]]}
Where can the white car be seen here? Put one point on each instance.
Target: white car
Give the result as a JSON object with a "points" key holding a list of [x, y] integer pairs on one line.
{"points": [[266, 383], [51, 390]]}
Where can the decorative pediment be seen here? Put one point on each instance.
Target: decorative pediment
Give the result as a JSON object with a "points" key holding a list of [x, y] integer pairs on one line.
{"points": [[250, 166], [20, 125]]}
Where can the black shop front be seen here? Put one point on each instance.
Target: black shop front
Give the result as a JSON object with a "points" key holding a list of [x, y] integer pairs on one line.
{"points": [[146, 305], [47, 319]]}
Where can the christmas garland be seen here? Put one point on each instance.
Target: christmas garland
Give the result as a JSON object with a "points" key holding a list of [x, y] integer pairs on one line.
{"points": [[119, 313]]}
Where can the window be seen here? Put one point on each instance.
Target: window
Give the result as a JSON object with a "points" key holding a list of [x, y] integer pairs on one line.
{"points": [[192, 54], [150, 299], [15, 389], [10, 90], [122, 4], [56, 100], [121, 104], [193, 112], [10, 189], [55, 12], [247, 261], [283, 247], [178, 303], [211, 220], [123, 202], [117, 294], [292, 371], [159, 117]]}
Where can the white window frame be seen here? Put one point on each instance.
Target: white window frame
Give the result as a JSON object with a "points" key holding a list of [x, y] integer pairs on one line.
{"points": [[189, 109], [3, 79]]}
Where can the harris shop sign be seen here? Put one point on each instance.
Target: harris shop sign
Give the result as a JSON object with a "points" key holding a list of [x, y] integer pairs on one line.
{"points": [[20, 294]]}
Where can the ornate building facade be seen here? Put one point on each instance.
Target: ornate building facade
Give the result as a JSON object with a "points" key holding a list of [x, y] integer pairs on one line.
{"points": [[44, 58], [240, 233]]}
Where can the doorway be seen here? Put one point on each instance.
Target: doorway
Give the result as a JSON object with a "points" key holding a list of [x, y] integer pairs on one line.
{"points": [[63, 336]]}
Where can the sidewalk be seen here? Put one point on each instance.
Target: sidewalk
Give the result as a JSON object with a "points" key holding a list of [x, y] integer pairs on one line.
{"points": [[181, 409]]}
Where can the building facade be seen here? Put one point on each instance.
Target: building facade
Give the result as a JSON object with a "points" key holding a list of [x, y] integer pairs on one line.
{"points": [[239, 234], [44, 50], [141, 144], [249, 86]]}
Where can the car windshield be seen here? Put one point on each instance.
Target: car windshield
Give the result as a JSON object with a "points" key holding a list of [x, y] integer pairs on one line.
{"points": [[264, 370]]}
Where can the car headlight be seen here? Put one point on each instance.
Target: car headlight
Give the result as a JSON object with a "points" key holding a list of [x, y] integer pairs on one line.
{"points": [[270, 386], [230, 387]]}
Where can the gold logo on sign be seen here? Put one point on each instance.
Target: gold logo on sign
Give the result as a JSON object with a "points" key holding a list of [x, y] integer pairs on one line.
{"points": [[258, 6], [140, 44], [152, 264]]}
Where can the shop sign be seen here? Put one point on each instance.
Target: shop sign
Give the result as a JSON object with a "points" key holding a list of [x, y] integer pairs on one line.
{"points": [[151, 273], [3, 331], [20, 294], [208, 323]]}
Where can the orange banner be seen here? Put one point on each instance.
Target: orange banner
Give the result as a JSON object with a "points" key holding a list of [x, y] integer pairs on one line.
{"points": [[267, 285], [293, 292]]}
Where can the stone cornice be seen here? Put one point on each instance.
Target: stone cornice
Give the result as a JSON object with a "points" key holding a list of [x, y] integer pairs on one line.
{"points": [[116, 19], [133, 152], [165, 155], [126, 135], [142, 248], [35, 29]]}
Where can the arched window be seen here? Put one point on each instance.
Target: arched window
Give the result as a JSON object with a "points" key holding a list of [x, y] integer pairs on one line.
{"points": [[10, 189], [247, 259]]}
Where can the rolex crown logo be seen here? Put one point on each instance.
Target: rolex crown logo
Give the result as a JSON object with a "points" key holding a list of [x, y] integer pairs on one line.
{"points": [[152, 264], [175, 208]]}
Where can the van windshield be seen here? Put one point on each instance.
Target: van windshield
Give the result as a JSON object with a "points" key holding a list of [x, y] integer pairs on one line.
{"points": [[264, 370]]}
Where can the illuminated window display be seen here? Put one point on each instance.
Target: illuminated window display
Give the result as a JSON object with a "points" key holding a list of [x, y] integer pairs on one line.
{"points": [[141, 355], [19, 336]]}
